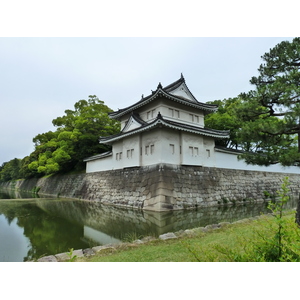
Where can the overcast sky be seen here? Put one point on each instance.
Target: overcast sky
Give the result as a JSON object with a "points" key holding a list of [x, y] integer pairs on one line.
{"points": [[42, 77]]}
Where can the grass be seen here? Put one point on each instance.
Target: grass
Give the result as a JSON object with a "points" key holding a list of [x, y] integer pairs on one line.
{"points": [[223, 244]]}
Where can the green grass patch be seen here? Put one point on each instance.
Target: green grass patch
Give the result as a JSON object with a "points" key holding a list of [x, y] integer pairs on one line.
{"points": [[235, 242]]}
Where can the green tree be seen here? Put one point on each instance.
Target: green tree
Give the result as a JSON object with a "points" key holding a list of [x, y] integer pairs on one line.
{"points": [[273, 108], [10, 170], [76, 137], [226, 118]]}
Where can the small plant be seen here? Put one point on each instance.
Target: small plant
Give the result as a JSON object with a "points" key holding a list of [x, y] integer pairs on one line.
{"points": [[277, 210], [70, 254], [267, 195], [283, 243], [130, 237], [279, 241], [191, 250], [270, 196]]}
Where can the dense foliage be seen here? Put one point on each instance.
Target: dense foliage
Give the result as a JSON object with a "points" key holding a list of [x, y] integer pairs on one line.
{"points": [[76, 137], [227, 118], [10, 170], [274, 105], [265, 122]]}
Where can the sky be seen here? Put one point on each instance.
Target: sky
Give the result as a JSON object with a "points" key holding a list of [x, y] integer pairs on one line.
{"points": [[41, 77], [53, 54]]}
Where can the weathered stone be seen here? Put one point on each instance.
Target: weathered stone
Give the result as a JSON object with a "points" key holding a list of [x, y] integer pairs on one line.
{"points": [[166, 236], [148, 239], [62, 256], [224, 224], [78, 253], [50, 258], [179, 233], [241, 221], [69, 255], [215, 226], [88, 252], [138, 242], [100, 248], [189, 232], [208, 227]]}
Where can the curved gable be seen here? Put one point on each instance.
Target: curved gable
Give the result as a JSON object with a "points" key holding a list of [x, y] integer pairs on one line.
{"points": [[133, 123], [183, 91], [177, 91]]}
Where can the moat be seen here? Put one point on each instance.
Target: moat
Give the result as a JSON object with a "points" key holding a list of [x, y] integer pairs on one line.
{"points": [[31, 227]]}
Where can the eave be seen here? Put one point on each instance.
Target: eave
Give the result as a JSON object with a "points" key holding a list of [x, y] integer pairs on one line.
{"points": [[98, 156], [161, 93], [160, 121]]}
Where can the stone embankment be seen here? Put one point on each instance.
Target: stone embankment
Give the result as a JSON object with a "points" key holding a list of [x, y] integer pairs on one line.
{"points": [[164, 187], [72, 255]]}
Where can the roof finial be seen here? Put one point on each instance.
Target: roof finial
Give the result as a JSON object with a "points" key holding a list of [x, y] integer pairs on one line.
{"points": [[182, 76], [142, 96], [159, 86]]}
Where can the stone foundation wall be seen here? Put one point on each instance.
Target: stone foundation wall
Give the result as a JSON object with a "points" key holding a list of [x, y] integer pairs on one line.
{"points": [[164, 187]]}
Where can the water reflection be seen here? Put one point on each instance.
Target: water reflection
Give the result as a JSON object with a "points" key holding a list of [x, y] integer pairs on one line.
{"points": [[50, 226], [16, 194], [46, 232]]}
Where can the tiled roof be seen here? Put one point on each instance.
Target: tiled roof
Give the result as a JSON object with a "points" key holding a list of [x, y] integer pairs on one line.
{"points": [[105, 154], [165, 92], [160, 121]]}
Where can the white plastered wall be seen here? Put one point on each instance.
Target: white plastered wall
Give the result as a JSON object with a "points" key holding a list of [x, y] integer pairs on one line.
{"points": [[161, 145], [131, 152], [170, 153], [192, 149], [103, 164], [230, 161], [150, 147], [217, 159]]}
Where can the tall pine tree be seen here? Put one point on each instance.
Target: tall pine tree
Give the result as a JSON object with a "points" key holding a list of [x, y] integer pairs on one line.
{"points": [[274, 108]]}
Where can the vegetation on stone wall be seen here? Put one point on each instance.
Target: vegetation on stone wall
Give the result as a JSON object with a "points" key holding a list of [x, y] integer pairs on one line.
{"points": [[76, 137]]}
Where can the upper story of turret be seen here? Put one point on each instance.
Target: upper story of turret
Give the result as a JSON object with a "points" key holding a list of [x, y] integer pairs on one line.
{"points": [[174, 102]]}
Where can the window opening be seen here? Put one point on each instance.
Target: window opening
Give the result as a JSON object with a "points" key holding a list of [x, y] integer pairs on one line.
{"points": [[119, 156], [172, 148], [208, 153], [151, 149]]}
